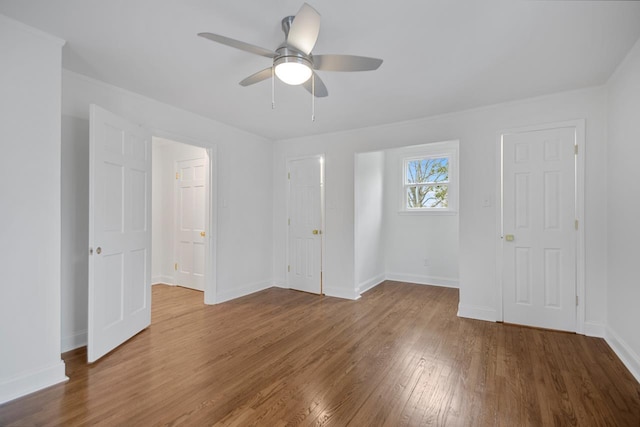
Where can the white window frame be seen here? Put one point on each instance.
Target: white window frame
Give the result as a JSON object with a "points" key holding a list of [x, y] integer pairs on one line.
{"points": [[448, 149]]}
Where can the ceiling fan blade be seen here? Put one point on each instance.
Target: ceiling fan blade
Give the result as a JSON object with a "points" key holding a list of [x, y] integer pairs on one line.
{"points": [[239, 45], [257, 77], [345, 63], [304, 30], [320, 88]]}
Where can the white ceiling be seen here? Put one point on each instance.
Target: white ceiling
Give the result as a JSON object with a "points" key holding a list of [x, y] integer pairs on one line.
{"points": [[439, 56]]}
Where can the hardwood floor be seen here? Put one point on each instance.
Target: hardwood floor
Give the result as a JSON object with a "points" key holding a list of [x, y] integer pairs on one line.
{"points": [[398, 356]]}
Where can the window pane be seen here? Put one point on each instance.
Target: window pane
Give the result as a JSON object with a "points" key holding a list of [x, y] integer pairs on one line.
{"points": [[431, 170], [427, 196]]}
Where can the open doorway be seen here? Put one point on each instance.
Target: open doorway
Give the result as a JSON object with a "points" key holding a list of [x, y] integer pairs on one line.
{"points": [[180, 214]]}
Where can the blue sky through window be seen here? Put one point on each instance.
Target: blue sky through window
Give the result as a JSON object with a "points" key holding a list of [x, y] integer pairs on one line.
{"points": [[430, 170]]}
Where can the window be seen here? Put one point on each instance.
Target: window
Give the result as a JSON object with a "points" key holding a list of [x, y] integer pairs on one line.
{"points": [[429, 180], [427, 183]]}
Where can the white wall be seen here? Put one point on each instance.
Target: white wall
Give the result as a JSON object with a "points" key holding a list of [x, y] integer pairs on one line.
{"points": [[30, 215], [478, 131], [75, 232], [244, 240], [369, 222], [412, 238], [623, 293], [161, 202], [165, 154]]}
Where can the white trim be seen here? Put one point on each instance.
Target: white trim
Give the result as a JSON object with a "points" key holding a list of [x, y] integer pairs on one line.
{"points": [[579, 126], [211, 250], [626, 354], [595, 329], [162, 280], [581, 262], [29, 382], [370, 283], [500, 231], [429, 212], [341, 293], [71, 342], [243, 291], [445, 282], [477, 312]]}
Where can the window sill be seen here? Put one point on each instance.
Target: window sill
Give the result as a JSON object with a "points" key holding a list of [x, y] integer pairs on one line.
{"points": [[448, 212]]}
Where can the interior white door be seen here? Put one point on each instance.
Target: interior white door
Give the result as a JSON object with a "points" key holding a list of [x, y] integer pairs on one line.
{"points": [[540, 238], [191, 214], [119, 232], [305, 224]]}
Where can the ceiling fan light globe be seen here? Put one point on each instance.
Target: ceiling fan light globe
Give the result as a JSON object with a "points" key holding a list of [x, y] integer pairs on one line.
{"points": [[293, 73]]}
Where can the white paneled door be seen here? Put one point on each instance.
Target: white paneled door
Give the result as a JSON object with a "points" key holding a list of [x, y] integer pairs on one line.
{"points": [[539, 226], [190, 236], [305, 224], [119, 232]]}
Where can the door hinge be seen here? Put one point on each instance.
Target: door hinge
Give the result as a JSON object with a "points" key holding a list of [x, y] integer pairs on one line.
{"points": [[175, 266], [288, 269], [576, 224], [575, 149], [289, 221], [288, 175], [576, 300], [177, 175]]}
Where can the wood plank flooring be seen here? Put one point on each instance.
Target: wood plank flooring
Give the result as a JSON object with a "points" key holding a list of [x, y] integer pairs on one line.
{"points": [[398, 356]]}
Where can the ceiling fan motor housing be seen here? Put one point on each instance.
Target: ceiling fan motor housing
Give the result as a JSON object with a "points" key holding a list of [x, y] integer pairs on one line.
{"points": [[287, 54]]}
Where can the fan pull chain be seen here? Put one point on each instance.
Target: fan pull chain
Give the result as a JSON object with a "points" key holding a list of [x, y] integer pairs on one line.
{"points": [[273, 88], [313, 97]]}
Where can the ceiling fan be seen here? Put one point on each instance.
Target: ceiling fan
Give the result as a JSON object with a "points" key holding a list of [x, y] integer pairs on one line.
{"points": [[293, 62]]}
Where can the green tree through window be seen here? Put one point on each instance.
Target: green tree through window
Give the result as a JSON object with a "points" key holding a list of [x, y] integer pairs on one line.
{"points": [[426, 183]]}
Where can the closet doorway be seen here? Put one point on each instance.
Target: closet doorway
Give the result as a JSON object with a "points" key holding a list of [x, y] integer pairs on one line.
{"points": [[180, 212]]}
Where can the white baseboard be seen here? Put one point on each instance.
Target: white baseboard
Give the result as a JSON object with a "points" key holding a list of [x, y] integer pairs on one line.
{"points": [[327, 291], [629, 357], [446, 282], [371, 283], [594, 329], [162, 280], [340, 293], [281, 284], [242, 291], [477, 312], [71, 342], [18, 386]]}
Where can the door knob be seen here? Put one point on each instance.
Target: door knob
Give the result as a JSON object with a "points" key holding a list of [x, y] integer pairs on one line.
{"points": [[509, 237], [202, 233], [99, 250], [316, 232]]}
